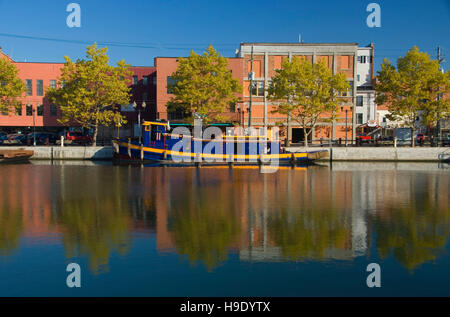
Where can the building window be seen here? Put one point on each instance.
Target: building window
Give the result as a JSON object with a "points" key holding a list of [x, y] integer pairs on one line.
{"points": [[29, 110], [349, 92], [358, 77], [258, 89], [359, 101], [40, 87], [232, 107], [359, 118], [363, 59], [154, 80], [29, 84], [53, 110], [40, 110], [145, 80], [345, 62], [53, 84], [170, 83], [144, 96], [135, 80], [19, 110]]}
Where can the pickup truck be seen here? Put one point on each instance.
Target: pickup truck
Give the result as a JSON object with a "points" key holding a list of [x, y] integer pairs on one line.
{"points": [[77, 138]]}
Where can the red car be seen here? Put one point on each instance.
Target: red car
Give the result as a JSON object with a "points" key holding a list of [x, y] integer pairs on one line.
{"points": [[78, 137], [363, 137], [420, 137]]}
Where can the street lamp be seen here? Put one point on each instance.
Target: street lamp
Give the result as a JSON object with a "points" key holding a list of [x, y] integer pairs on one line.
{"points": [[135, 106], [34, 127], [346, 122]]}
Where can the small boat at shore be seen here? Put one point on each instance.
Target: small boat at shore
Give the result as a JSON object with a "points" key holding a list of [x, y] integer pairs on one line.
{"points": [[163, 146], [15, 156]]}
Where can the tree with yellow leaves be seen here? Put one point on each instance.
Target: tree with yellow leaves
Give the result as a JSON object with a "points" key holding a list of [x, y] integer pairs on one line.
{"points": [[306, 91], [91, 91]]}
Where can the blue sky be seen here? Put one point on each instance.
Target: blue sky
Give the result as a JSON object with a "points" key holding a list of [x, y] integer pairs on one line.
{"points": [[174, 27]]}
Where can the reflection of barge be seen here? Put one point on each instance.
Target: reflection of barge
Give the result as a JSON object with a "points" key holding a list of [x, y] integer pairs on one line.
{"points": [[15, 156], [162, 146]]}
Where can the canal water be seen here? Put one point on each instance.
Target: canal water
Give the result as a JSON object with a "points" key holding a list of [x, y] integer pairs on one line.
{"points": [[216, 231]]}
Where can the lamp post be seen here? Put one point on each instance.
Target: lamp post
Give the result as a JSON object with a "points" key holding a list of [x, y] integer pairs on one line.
{"points": [[135, 106], [143, 105], [34, 128], [346, 126]]}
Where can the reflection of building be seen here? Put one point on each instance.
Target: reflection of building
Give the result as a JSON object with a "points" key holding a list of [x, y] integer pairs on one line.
{"points": [[254, 201], [27, 195]]}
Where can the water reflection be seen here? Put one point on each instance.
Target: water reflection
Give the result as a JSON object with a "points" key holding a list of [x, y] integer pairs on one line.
{"points": [[205, 214]]}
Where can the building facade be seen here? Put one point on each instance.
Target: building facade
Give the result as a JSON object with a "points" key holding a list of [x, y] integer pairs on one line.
{"points": [[267, 58], [36, 110], [166, 66], [366, 108], [38, 113]]}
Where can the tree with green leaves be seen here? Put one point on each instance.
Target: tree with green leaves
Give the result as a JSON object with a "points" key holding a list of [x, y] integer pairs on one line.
{"points": [[306, 91], [91, 91], [411, 90], [203, 84], [11, 87]]}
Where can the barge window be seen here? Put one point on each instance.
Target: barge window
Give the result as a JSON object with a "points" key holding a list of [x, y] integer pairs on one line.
{"points": [[153, 132]]}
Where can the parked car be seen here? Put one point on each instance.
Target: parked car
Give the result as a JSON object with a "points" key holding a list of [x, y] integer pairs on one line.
{"points": [[363, 137], [446, 140], [77, 138], [3, 137], [42, 137], [420, 138], [16, 139]]}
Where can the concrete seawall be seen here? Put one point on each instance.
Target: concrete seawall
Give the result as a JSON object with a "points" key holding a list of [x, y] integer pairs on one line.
{"points": [[67, 152], [399, 154], [357, 154]]}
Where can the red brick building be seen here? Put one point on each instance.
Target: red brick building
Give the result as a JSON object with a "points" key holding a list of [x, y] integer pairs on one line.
{"points": [[38, 112], [166, 66], [267, 58], [36, 109]]}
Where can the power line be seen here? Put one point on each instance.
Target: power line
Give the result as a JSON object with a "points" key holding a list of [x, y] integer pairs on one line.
{"points": [[117, 44]]}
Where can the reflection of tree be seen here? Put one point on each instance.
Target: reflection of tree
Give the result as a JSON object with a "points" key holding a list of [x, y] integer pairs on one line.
{"points": [[205, 227], [94, 227], [308, 233], [10, 231], [414, 233]]}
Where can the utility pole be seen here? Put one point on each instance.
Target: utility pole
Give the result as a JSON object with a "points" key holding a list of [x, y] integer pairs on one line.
{"points": [[438, 125], [251, 91]]}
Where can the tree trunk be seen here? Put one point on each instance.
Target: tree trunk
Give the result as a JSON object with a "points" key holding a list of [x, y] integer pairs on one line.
{"points": [[288, 134], [305, 134], [413, 139], [94, 141]]}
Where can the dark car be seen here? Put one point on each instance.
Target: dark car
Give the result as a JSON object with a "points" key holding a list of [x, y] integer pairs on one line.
{"points": [[446, 140], [3, 137], [44, 138], [16, 139]]}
